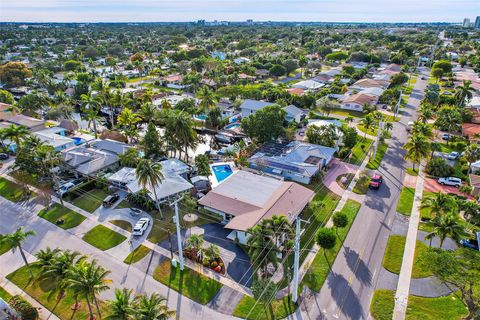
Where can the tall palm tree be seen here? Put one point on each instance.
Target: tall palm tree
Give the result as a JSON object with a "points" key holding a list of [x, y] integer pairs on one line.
{"points": [[179, 127], [417, 148], [208, 99], [447, 226], [147, 112], [123, 306], [150, 174], [91, 105], [434, 147], [425, 112], [367, 123], [261, 248], [127, 120], [439, 204], [464, 93], [15, 241], [422, 128], [472, 154], [153, 307], [46, 256], [14, 133]]}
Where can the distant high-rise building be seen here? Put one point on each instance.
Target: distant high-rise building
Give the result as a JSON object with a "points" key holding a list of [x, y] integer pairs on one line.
{"points": [[201, 22], [249, 22], [466, 23], [477, 23]]}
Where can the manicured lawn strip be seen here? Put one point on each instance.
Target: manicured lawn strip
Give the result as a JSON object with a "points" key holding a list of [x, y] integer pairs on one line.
{"points": [[11, 191], [281, 309], [446, 308], [125, 225], [136, 255], [189, 282], [374, 163], [5, 295], [4, 247], [425, 212], [405, 202], [319, 269], [363, 182], [348, 113], [412, 172], [91, 200], [123, 204], [392, 260], [372, 131], [56, 212], [358, 153], [40, 291], [447, 148], [103, 238]]}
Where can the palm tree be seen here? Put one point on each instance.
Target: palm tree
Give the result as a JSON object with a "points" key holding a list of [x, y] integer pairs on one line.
{"points": [[123, 307], [46, 256], [152, 307], [195, 242], [261, 249], [439, 204], [472, 154], [14, 133], [425, 112], [208, 99], [212, 252], [282, 230], [422, 128], [90, 107], [464, 93], [147, 112], [446, 226], [150, 174], [417, 148], [367, 123], [434, 147], [348, 120], [15, 241], [179, 128], [127, 120]]}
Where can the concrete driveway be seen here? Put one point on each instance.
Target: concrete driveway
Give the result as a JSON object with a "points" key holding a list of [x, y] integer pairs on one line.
{"points": [[431, 185]]}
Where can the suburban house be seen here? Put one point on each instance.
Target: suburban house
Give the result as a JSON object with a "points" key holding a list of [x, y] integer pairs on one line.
{"points": [[357, 101], [249, 106], [241, 60], [55, 137], [294, 113], [297, 161], [376, 92], [7, 118], [321, 123], [174, 81], [171, 186], [309, 85], [369, 83], [95, 157], [475, 183], [471, 131], [245, 199], [296, 91]]}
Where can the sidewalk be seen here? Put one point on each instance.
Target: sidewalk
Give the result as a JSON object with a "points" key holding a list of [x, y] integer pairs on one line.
{"points": [[403, 286]]}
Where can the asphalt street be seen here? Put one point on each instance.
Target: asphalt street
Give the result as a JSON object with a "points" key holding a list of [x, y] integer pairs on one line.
{"points": [[349, 287]]}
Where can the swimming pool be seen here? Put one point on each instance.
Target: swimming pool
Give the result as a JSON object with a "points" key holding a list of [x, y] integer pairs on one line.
{"points": [[201, 117], [222, 171], [232, 126]]}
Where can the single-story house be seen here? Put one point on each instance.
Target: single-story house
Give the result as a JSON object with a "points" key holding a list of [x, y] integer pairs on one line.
{"points": [[241, 60], [357, 101], [55, 137], [296, 91], [94, 157], [310, 85], [32, 124], [376, 92], [294, 113], [369, 83], [245, 199], [173, 166], [297, 161], [249, 106], [262, 73], [174, 81]]}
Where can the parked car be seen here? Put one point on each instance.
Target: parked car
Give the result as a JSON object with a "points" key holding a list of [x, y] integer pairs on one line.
{"points": [[65, 188], [450, 181], [453, 155], [470, 243], [423, 78], [446, 136], [141, 226], [4, 156], [135, 212], [111, 199], [375, 181], [410, 125]]}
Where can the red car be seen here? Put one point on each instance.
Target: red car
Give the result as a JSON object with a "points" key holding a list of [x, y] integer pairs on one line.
{"points": [[376, 181]]}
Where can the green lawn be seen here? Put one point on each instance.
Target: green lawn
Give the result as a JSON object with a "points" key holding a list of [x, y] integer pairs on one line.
{"points": [[372, 131], [374, 163], [319, 269], [71, 218], [136, 255], [125, 225], [103, 238], [392, 260], [4, 247], [361, 187], [40, 292], [189, 282], [405, 202], [247, 309], [5, 295], [11, 191], [447, 148], [348, 113], [412, 172], [445, 308], [123, 204], [425, 212], [91, 200], [358, 153]]}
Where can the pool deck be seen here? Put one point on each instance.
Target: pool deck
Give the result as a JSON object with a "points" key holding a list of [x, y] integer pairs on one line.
{"points": [[213, 179]]}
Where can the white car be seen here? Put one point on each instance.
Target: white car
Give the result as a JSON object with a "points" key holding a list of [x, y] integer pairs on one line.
{"points": [[450, 181], [141, 226], [65, 188], [453, 155], [410, 125]]}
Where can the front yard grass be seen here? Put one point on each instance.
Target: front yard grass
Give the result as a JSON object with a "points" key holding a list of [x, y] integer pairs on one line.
{"points": [[392, 260], [449, 307], [374, 163], [90, 200], [103, 238], [319, 269], [125, 225], [58, 212], [40, 290], [136, 255], [5, 295], [412, 172], [372, 131], [187, 282], [246, 309], [4, 247], [11, 191], [405, 202], [348, 113], [359, 151], [361, 187]]}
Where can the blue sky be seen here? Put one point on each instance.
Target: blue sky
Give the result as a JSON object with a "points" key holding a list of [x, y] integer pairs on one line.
{"points": [[237, 10]]}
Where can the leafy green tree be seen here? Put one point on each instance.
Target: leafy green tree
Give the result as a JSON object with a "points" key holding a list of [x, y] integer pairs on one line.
{"points": [[457, 269], [326, 239], [265, 124], [202, 162], [340, 220], [449, 119], [277, 70], [439, 204], [73, 65], [16, 239], [264, 290], [438, 167], [151, 143], [437, 73], [326, 135], [6, 97], [444, 65], [14, 74], [129, 158], [336, 56], [327, 105], [417, 148], [350, 137], [290, 66], [398, 79], [150, 174], [33, 102], [464, 93]]}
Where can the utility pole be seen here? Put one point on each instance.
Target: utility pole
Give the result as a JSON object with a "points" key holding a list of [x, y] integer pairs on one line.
{"points": [[170, 242], [179, 234], [397, 107], [380, 128], [296, 263]]}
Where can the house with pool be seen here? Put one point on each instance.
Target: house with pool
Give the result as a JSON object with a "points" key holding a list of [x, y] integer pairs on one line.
{"points": [[296, 160], [246, 198]]}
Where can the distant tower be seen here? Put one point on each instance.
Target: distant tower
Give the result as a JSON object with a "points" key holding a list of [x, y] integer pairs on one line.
{"points": [[466, 23], [477, 23]]}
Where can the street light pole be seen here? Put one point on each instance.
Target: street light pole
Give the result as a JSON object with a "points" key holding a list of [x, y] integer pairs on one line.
{"points": [[179, 234]]}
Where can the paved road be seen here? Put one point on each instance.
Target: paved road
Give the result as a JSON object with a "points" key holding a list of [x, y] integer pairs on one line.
{"points": [[348, 289]]}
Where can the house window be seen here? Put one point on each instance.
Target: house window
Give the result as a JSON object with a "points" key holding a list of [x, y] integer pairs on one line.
{"points": [[228, 217]]}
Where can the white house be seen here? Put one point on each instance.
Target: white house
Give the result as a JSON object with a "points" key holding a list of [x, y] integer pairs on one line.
{"points": [[249, 106]]}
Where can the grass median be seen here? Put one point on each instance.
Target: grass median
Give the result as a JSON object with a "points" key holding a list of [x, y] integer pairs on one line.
{"points": [[248, 308], [57, 212], [405, 202], [136, 255], [103, 238]]}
